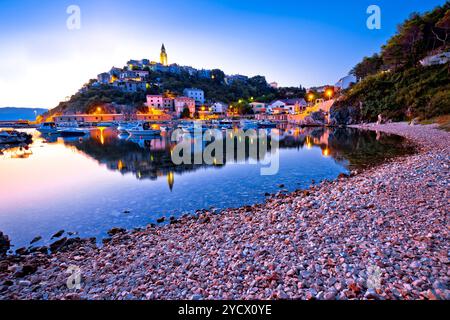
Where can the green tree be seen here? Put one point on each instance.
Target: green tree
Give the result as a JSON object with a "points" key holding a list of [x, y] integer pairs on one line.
{"points": [[369, 65], [186, 114]]}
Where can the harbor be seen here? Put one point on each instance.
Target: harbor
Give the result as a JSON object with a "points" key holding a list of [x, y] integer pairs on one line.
{"points": [[330, 233]]}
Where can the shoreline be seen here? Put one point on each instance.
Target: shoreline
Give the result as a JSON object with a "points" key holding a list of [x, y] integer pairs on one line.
{"points": [[322, 243]]}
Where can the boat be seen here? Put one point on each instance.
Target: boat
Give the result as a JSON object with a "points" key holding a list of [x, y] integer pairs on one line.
{"points": [[13, 137], [106, 124], [248, 124], [143, 129], [266, 124], [73, 132], [124, 127], [48, 128], [192, 128], [226, 126]]}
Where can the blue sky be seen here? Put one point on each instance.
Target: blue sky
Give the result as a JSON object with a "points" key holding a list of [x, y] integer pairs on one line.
{"points": [[292, 42]]}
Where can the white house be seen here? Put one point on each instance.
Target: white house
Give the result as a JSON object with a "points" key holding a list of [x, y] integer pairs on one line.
{"points": [[219, 108], [346, 82], [104, 78], [130, 86], [292, 106], [197, 94], [181, 103], [441, 58], [134, 74], [258, 107]]}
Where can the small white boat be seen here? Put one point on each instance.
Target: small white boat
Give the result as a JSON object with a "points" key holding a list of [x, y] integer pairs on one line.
{"points": [[124, 127], [267, 124], [11, 136], [226, 121], [143, 129], [248, 124], [73, 132], [192, 128], [48, 128], [106, 124]]}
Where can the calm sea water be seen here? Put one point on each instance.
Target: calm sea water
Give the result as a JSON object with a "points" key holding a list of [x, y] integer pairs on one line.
{"points": [[90, 185]]}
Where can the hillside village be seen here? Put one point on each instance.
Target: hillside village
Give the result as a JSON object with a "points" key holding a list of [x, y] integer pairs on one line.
{"points": [[143, 78]]}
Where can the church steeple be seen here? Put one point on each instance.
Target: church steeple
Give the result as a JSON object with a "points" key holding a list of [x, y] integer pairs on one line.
{"points": [[163, 56]]}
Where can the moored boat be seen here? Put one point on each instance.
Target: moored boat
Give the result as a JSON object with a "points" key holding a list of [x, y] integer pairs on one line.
{"points": [[13, 137], [143, 129], [266, 124], [248, 124], [73, 132], [48, 128], [124, 127]]}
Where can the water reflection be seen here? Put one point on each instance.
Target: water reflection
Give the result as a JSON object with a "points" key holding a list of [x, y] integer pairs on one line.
{"points": [[150, 157], [86, 184]]}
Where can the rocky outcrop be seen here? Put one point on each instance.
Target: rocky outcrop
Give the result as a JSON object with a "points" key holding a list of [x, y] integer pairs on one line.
{"points": [[316, 119], [343, 114], [4, 244]]}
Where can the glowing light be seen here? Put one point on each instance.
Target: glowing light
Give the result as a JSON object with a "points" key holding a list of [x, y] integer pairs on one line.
{"points": [[120, 165], [309, 145], [171, 180], [329, 93], [326, 152], [102, 137]]}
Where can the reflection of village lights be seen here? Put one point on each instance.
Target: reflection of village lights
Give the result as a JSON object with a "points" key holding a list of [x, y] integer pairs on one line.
{"points": [[171, 180], [102, 137], [309, 145], [326, 152], [120, 165]]}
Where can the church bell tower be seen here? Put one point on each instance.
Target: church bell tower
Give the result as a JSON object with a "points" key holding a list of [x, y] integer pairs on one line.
{"points": [[163, 56]]}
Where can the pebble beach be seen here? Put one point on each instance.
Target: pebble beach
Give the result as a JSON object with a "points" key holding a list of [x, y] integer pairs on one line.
{"points": [[378, 234]]}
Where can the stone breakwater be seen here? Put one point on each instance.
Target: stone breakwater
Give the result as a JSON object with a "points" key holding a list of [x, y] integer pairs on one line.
{"points": [[379, 234]]}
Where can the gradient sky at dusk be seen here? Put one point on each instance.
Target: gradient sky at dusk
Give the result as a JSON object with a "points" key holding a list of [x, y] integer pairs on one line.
{"points": [[292, 42]]}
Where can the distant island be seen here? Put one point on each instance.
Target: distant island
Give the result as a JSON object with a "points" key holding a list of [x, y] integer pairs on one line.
{"points": [[16, 114]]}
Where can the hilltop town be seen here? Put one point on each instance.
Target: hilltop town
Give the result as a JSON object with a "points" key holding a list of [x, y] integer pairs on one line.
{"points": [[149, 90]]}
